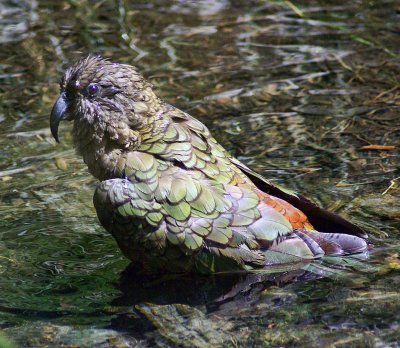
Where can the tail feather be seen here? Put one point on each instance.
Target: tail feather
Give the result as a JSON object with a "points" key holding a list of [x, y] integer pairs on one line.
{"points": [[334, 244], [311, 243], [306, 246]]}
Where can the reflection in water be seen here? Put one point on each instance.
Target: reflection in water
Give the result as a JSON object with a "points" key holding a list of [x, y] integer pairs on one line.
{"points": [[209, 291], [239, 287], [294, 90]]}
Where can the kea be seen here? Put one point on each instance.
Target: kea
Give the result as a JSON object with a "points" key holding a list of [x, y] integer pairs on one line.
{"points": [[172, 197]]}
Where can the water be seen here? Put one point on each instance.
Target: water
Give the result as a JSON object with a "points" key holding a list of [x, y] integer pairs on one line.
{"points": [[294, 91]]}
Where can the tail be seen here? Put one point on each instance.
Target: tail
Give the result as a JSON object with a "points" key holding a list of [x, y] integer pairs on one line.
{"points": [[332, 244], [306, 246]]}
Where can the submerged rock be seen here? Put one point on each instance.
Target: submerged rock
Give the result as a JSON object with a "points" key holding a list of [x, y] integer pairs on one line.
{"points": [[53, 336]]}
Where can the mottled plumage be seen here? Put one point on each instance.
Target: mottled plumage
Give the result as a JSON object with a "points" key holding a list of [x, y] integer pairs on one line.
{"points": [[174, 199]]}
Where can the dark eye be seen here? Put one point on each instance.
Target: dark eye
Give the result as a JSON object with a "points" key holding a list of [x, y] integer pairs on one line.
{"points": [[93, 89]]}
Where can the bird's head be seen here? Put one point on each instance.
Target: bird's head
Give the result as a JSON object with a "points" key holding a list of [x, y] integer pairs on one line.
{"points": [[109, 97]]}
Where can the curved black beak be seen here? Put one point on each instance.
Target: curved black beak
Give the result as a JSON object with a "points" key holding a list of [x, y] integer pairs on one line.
{"points": [[57, 114]]}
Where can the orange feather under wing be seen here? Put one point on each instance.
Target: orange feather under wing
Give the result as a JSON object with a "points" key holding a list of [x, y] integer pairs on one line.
{"points": [[296, 217]]}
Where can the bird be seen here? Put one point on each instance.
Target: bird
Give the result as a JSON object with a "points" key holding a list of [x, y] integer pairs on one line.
{"points": [[172, 197]]}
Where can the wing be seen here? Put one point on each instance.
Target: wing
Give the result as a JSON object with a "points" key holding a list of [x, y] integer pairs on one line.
{"points": [[189, 144], [169, 216], [204, 153]]}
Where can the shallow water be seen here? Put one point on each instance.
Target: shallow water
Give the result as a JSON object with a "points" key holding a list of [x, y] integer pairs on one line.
{"points": [[294, 91]]}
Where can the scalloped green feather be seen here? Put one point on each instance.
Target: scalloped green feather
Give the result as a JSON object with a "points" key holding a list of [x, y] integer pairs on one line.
{"points": [[222, 203], [176, 239], [158, 148], [159, 234], [179, 211], [202, 155], [199, 143], [154, 218], [211, 170], [173, 227], [245, 218], [192, 241], [183, 134], [128, 210], [205, 203], [213, 215], [180, 147], [202, 229], [217, 237], [178, 191], [171, 134], [200, 164], [196, 125], [140, 161], [193, 189], [164, 188], [191, 160]]}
